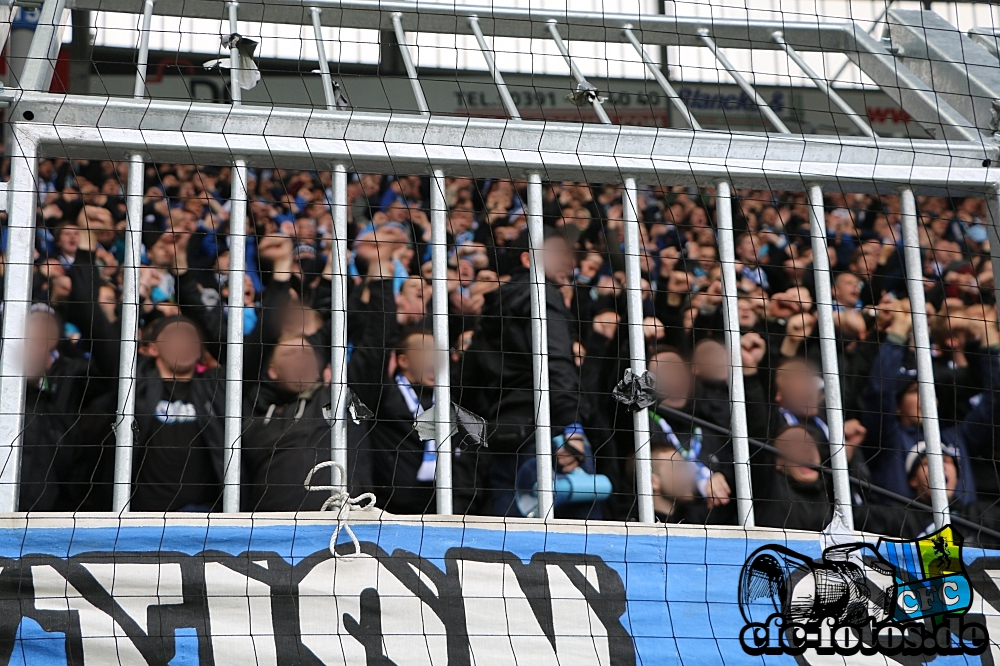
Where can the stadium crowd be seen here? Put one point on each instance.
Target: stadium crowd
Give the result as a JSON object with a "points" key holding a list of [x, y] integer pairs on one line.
{"points": [[72, 351]]}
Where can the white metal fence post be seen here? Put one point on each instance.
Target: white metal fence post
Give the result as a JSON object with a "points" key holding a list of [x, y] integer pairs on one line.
{"points": [[913, 264], [731, 317], [442, 346], [338, 323], [129, 361], [540, 348], [828, 353], [637, 348], [234, 338], [23, 198]]}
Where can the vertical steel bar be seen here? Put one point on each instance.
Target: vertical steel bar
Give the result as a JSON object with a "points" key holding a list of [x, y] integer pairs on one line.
{"points": [[442, 343], [575, 71], [338, 306], [411, 71], [128, 363], [913, 264], [764, 107], [142, 58], [637, 347], [508, 102], [731, 317], [820, 83], [234, 56], [324, 66], [668, 89], [540, 349], [234, 322], [21, 204], [234, 338], [40, 63], [828, 353]]}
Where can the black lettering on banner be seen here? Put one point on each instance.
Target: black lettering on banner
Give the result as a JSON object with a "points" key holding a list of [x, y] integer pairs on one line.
{"points": [[603, 592]]}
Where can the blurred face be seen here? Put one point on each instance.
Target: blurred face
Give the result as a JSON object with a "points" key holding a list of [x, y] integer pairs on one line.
{"points": [[848, 290], [305, 230], [69, 240], [920, 479], [698, 218], [178, 348], [798, 451], [294, 366], [909, 409], [748, 316], [869, 257], [417, 363], [161, 254], [411, 303], [747, 250], [570, 454], [798, 389], [711, 362], [673, 379], [559, 260], [673, 477], [461, 220], [249, 293], [42, 338], [707, 256]]}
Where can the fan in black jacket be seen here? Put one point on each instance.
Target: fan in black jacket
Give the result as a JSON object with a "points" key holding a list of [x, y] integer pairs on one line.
{"points": [[710, 454], [403, 466], [497, 372], [791, 493], [286, 433], [179, 405]]}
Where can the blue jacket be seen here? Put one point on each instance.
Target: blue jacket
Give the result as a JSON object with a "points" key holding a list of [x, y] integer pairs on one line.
{"points": [[888, 442]]}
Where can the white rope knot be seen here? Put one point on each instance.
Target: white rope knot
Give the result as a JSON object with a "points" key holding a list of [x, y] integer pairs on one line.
{"points": [[341, 502]]}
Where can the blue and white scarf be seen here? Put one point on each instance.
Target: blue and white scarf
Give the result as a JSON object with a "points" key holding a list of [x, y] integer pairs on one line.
{"points": [[791, 419], [429, 463], [691, 453]]}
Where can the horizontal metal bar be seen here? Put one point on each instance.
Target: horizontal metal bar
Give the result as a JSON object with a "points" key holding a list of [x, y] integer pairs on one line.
{"points": [[77, 126], [451, 18]]}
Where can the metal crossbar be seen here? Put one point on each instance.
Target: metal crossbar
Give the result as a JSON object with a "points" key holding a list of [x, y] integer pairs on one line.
{"points": [[139, 130]]}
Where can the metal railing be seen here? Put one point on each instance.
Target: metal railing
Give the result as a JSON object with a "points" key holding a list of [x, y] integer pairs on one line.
{"points": [[139, 130]]}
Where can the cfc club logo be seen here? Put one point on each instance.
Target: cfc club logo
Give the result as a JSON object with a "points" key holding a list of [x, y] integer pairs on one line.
{"points": [[898, 597]]}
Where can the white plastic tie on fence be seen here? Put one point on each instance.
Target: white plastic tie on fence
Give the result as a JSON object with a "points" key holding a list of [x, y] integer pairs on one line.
{"points": [[341, 502]]}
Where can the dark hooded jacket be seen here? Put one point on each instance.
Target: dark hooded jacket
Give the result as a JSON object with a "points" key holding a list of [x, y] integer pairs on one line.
{"points": [[285, 435], [499, 361], [397, 451]]}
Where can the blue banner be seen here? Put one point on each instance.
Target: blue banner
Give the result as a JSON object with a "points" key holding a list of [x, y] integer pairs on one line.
{"points": [[434, 591]]}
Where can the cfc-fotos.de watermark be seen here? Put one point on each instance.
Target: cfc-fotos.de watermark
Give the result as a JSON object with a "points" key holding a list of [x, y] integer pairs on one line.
{"points": [[897, 597]]}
